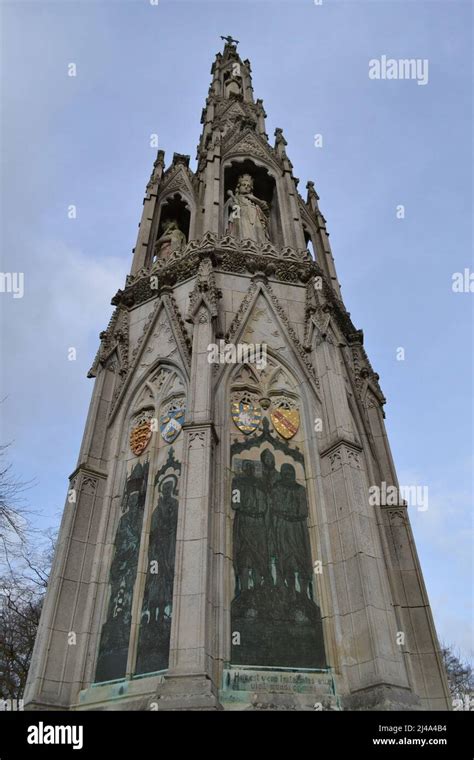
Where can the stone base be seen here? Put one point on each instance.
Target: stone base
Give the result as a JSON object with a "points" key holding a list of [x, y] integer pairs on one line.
{"points": [[247, 688], [383, 698], [44, 706], [127, 694], [185, 692]]}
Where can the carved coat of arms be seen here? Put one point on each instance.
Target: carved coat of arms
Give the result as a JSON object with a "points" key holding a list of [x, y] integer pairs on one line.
{"points": [[172, 421], [246, 416], [140, 437], [286, 421]]}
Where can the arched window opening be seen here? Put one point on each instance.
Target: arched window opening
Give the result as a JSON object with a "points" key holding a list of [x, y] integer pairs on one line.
{"points": [[309, 244]]}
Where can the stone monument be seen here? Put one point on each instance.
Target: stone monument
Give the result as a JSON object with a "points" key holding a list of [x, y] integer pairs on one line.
{"points": [[221, 550]]}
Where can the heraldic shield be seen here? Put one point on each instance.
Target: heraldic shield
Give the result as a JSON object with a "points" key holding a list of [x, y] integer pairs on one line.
{"points": [[246, 416], [172, 421], [286, 421], [140, 437]]}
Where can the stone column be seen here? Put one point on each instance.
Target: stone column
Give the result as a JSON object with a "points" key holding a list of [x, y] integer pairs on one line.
{"points": [[56, 671], [60, 651], [411, 604], [149, 205], [188, 684], [211, 205], [370, 658]]}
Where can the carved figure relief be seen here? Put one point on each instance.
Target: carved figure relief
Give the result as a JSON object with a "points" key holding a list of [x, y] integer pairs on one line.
{"points": [[157, 606], [114, 642], [274, 608]]}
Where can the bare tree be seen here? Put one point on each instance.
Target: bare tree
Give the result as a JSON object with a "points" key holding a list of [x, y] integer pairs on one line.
{"points": [[25, 561], [20, 611], [22, 590], [13, 513], [460, 675]]}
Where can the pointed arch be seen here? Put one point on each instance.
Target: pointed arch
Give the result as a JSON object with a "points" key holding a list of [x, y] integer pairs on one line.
{"points": [[292, 353], [145, 456], [270, 565]]}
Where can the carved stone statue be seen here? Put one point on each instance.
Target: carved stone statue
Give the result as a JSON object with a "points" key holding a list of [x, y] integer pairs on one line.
{"points": [[171, 241], [247, 214]]}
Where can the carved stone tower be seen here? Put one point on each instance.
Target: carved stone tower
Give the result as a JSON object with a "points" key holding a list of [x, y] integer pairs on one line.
{"points": [[219, 547]]}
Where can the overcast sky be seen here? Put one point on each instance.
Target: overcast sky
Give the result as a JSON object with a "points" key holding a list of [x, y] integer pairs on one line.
{"points": [[144, 69]]}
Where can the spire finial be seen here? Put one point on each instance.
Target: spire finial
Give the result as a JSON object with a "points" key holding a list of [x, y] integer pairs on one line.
{"points": [[230, 40]]}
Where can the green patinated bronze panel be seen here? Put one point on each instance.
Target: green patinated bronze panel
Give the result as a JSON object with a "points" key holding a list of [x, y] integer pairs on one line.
{"points": [[275, 618], [114, 642], [157, 607]]}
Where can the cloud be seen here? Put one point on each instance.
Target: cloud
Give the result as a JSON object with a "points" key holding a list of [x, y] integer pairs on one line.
{"points": [[65, 305], [443, 537]]}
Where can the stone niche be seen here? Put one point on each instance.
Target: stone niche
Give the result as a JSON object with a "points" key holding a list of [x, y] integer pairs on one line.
{"points": [[263, 188]]}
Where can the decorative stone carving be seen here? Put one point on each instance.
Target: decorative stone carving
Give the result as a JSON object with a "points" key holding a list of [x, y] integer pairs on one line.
{"points": [[243, 308], [353, 458], [89, 483], [156, 173], [248, 143], [294, 338], [370, 402], [177, 177], [179, 327], [205, 289], [246, 397], [197, 439], [113, 339], [172, 312], [247, 215], [343, 454], [144, 415], [397, 516], [172, 241], [335, 460]]}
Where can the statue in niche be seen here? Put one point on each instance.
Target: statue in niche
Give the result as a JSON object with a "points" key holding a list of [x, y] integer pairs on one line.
{"points": [[289, 511], [173, 240], [113, 651], [233, 86], [251, 559], [247, 214]]}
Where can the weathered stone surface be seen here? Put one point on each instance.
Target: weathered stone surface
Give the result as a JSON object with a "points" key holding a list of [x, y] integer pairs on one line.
{"points": [[296, 601]]}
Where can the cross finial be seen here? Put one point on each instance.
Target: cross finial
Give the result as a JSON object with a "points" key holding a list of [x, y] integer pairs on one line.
{"points": [[230, 40]]}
